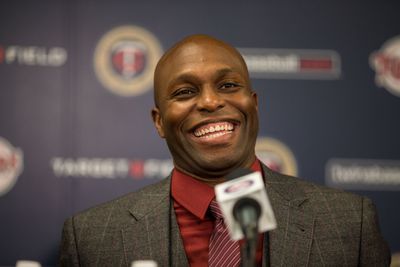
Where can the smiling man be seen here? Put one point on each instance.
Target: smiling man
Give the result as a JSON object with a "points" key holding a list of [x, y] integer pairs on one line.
{"points": [[205, 108], [207, 112]]}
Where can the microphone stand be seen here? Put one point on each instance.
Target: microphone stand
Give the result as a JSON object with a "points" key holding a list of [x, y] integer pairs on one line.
{"points": [[249, 247], [247, 212]]}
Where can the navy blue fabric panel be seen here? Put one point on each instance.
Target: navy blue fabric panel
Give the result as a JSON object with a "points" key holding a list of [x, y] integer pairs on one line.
{"points": [[76, 95]]}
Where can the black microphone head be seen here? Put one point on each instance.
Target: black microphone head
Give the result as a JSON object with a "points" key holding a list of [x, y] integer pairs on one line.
{"points": [[238, 173], [246, 203]]}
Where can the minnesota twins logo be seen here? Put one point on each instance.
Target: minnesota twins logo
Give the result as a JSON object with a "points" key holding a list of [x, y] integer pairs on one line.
{"points": [[129, 58], [10, 165], [386, 63], [276, 155], [125, 59]]}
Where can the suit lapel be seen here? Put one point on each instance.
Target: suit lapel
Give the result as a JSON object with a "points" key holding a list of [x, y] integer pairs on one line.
{"points": [[153, 231], [290, 243]]}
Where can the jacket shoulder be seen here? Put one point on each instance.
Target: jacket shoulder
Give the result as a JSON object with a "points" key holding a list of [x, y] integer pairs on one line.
{"points": [[290, 187], [124, 203]]}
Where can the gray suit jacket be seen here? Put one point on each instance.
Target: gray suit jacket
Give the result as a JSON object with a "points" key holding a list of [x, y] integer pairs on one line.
{"points": [[317, 226]]}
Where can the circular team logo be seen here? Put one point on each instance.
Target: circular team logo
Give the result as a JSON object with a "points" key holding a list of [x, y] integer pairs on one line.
{"points": [[125, 59], [10, 165], [386, 63], [276, 155]]}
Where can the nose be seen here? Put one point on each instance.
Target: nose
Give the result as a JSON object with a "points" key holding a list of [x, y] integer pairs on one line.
{"points": [[210, 100]]}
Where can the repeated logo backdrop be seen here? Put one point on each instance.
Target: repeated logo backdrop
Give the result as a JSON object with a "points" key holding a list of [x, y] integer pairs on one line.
{"points": [[76, 94]]}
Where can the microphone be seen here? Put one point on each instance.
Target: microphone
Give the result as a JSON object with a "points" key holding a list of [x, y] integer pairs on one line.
{"points": [[244, 204], [246, 209]]}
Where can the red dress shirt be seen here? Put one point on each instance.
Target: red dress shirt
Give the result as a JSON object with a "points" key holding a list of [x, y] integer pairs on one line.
{"points": [[191, 200]]}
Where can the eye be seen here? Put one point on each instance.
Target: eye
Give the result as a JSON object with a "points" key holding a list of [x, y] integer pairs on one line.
{"points": [[184, 93], [229, 85]]}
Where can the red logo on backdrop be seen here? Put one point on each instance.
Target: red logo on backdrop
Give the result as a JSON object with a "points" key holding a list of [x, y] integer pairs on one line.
{"points": [[10, 165], [386, 63], [316, 64], [265, 63], [129, 58], [111, 168], [125, 59]]}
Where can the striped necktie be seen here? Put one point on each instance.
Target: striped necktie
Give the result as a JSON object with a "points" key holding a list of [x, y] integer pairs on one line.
{"points": [[222, 250]]}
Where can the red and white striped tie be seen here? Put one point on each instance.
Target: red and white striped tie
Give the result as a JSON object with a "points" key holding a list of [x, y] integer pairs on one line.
{"points": [[222, 250]]}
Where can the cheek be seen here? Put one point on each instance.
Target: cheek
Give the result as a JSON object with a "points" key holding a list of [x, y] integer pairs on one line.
{"points": [[174, 117], [247, 105]]}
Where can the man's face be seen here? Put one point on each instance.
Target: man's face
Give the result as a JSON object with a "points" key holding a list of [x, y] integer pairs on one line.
{"points": [[206, 110]]}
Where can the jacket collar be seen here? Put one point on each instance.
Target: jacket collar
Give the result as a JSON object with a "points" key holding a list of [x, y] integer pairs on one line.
{"points": [[154, 233], [290, 243]]}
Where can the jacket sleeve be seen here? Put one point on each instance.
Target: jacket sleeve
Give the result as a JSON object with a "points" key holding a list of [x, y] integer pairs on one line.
{"points": [[374, 250], [68, 248]]}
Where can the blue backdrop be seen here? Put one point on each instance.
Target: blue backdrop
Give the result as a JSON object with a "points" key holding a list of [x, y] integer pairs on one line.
{"points": [[76, 94]]}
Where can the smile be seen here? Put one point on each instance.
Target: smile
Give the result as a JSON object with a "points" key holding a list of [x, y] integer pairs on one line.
{"points": [[213, 130]]}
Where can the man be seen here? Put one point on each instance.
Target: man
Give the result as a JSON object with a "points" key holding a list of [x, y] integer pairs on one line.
{"points": [[207, 113]]}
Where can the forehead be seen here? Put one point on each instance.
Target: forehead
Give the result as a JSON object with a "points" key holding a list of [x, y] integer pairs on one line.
{"points": [[201, 50], [201, 57]]}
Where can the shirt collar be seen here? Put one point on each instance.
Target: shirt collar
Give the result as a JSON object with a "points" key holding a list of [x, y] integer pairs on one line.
{"points": [[193, 195]]}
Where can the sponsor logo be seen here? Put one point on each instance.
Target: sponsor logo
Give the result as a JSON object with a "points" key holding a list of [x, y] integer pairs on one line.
{"points": [[266, 63], [33, 55], [276, 155], [125, 59], [111, 168], [363, 174], [11, 164], [386, 63], [239, 186]]}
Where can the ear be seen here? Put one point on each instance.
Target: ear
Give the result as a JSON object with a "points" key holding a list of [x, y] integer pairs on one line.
{"points": [[155, 114], [255, 98]]}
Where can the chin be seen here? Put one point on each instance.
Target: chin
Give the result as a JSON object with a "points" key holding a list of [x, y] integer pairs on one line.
{"points": [[219, 164]]}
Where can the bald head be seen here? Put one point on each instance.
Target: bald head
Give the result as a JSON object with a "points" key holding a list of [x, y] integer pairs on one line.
{"points": [[182, 48]]}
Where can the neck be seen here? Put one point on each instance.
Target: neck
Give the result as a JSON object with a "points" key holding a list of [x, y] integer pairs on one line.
{"points": [[212, 179], [209, 181]]}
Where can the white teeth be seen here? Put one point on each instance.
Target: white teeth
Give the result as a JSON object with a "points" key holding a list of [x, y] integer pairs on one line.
{"points": [[214, 131], [215, 135]]}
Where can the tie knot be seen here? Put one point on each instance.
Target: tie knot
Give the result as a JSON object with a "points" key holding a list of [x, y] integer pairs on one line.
{"points": [[215, 210]]}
